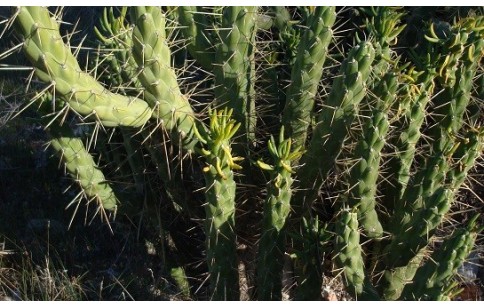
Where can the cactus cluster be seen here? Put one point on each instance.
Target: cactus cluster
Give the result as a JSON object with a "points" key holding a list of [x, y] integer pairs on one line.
{"points": [[375, 138]]}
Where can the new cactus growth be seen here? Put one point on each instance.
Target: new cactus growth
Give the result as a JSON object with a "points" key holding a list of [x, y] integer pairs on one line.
{"points": [[276, 210], [220, 206], [373, 147]]}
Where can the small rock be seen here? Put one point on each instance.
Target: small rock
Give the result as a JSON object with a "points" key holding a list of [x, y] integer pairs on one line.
{"points": [[470, 269]]}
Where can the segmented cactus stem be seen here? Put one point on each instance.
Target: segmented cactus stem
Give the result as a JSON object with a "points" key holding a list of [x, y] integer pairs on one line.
{"points": [[435, 275], [220, 206], [276, 210], [161, 90], [333, 123], [55, 64], [306, 73], [234, 67], [81, 166], [194, 25], [349, 257], [364, 175]]}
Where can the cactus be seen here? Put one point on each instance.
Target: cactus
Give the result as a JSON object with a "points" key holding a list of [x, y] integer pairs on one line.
{"points": [[276, 210], [348, 255], [364, 175], [80, 164], [427, 187], [115, 36], [161, 91], [435, 274], [367, 174], [234, 66], [55, 64], [416, 97], [76, 159], [220, 206], [306, 73], [328, 136], [200, 43]]}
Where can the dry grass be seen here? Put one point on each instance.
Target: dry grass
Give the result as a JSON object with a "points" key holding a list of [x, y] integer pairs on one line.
{"points": [[22, 279]]}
